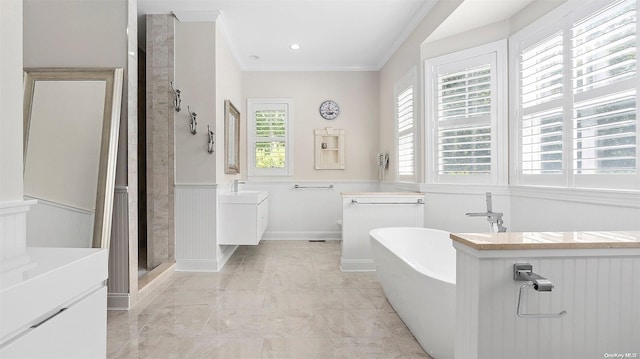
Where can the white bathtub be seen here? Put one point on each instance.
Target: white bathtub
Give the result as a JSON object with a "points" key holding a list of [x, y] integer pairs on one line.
{"points": [[417, 269]]}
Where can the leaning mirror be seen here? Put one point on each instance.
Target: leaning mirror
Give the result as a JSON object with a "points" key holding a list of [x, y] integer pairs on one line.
{"points": [[71, 123], [231, 138]]}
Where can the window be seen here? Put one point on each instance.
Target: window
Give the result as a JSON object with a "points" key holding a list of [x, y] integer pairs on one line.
{"points": [[269, 137], [405, 107], [465, 115], [576, 102]]}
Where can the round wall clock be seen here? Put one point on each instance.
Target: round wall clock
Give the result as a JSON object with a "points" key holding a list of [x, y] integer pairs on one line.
{"points": [[329, 110]]}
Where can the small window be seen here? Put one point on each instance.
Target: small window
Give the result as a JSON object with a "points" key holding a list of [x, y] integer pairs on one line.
{"points": [[269, 138]]}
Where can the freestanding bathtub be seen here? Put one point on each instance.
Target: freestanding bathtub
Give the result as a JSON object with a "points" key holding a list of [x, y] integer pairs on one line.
{"points": [[417, 269]]}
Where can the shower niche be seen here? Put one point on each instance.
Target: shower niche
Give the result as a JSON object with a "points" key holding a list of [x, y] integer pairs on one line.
{"points": [[329, 149]]}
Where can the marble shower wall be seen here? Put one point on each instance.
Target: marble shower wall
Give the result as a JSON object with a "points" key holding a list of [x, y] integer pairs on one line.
{"points": [[160, 140]]}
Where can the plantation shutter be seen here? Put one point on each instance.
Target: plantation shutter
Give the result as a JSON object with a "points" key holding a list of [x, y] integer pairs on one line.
{"points": [[463, 125], [405, 111], [270, 138], [541, 96], [604, 84]]}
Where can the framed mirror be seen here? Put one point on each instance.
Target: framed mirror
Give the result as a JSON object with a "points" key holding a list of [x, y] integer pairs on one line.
{"points": [[71, 124], [231, 138]]}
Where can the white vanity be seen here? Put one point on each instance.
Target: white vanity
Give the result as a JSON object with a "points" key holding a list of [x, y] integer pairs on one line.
{"points": [[244, 217], [54, 306]]}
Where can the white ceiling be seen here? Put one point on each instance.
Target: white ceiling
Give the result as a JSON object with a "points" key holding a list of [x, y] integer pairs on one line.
{"points": [[333, 34], [472, 14]]}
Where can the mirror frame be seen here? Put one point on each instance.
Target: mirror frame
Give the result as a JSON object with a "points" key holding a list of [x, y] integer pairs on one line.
{"points": [[229, 111], [113, 78]]}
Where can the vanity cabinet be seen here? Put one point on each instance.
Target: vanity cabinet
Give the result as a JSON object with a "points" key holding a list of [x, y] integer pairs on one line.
{"points": [[244, 217], [55, 306]]}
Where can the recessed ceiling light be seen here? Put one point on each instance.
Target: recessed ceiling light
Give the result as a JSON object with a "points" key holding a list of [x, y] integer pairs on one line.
{"points": [[254, 57], [295, 47]]}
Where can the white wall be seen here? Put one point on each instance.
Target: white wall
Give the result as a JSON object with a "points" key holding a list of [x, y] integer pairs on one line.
{"points": [[11, 100], [77, 33], [407, 56], [228, 87], [195, 51], [355, 92]]}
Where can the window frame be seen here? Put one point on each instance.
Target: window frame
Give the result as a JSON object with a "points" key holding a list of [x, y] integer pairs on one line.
{"points": [[563, 19], [409, 80], [254, 104], [496, 53]]}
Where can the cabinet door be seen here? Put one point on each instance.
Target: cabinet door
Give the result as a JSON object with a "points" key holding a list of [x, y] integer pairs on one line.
{"points": [[263, 218], [80, 332]]}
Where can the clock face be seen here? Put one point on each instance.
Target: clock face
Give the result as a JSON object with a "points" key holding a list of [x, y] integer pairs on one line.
{"points": [[329, 110]]}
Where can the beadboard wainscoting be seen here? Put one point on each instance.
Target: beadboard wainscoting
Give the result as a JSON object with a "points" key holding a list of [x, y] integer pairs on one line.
{"points": [[310, 211], [52, 224], [13, 217], [595, 287], [118, 296], [197, 229]]}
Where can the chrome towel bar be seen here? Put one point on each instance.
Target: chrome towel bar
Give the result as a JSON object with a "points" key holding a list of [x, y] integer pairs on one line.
{"points": [[304, 187], [418, 201]]}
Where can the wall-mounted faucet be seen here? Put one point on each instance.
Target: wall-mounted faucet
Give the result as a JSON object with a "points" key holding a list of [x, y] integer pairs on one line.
{"points": [[494, 218]]}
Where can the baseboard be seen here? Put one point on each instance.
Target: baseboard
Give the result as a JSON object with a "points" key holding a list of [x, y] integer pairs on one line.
{"points": [[118, 301], [301, 235], [227, 252], [197, 265], [357, 265]]}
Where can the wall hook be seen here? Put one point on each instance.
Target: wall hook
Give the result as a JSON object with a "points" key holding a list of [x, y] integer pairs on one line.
{"points": [[176, 98], [211, 143], [194, 123]]}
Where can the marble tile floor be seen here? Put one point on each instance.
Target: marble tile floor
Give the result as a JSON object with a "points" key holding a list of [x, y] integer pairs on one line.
{"points": [[280, 299]]}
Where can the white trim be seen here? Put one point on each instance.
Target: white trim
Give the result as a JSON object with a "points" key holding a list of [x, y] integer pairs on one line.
{"points": [[616, 198], [357, 265], [406, 32], [13, 207], [118, 301], [444, 188], [301, 235], [61, 206]]}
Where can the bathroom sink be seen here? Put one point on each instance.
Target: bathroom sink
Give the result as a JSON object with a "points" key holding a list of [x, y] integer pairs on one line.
{"points": [[244, 197]]}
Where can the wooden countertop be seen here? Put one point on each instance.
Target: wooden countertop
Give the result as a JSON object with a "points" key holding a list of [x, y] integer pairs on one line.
{"points": [[548, 240]]}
